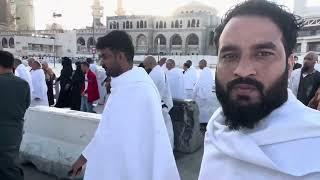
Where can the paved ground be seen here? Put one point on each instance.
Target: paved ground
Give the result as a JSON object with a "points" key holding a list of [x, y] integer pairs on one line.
{"points": [[188, 165]]}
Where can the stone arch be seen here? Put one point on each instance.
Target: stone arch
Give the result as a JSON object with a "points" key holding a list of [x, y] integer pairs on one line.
{"points": [[142, 44], [176, 40], [176, 24], [161, 25], [141, 24], [81, 41], [192, 44], [192, 39], [81, 44], [163, 44], [11, 42], [193, 23], [90, 43], [4, 43]]}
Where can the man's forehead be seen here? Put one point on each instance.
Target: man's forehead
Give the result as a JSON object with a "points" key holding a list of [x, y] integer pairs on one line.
{"points": [[249, 31]]}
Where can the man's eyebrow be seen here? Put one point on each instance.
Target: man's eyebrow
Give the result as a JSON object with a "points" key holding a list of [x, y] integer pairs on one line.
{"points": [[266, 45], [227, 48]]}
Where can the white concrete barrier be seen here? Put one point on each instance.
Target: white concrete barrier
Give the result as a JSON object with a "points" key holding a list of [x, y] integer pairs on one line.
{"points": [[54, 138]]}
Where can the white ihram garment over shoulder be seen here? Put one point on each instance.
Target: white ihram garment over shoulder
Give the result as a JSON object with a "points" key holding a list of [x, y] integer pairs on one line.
{"points": [[190, 80], [284, 146], [176, 83], [160, 80], [22, 72], [39, 88], [203, 95], [131, 142]]}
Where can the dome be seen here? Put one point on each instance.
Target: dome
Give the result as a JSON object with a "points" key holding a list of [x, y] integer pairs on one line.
{"points": [[195, 7]]}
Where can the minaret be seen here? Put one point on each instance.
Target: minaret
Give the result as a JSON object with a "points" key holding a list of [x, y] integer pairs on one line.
{"points": [[97, 13], [25, 14], [4, 14], [120, 11]]}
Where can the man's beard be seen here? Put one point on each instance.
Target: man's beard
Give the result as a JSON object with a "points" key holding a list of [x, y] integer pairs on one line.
{"points": [[248, 116]]}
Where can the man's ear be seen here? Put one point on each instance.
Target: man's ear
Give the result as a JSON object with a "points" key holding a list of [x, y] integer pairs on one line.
{"points": [[290, 64]]}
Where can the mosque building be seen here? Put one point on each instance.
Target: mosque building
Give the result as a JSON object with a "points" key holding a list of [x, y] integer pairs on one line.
{"points": [[188, 31]]}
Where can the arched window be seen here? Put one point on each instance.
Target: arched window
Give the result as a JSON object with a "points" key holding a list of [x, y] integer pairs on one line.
{"points": [[11, 42], [138, 25], [110, 26], [211, 38], [117, 25], [193, 23], [130, 25], [127, 25], [161, 25], [165, 25], [180, 23], [141, 24], [157, 25], [123, 25], [176, 24], [198, 23], [189, 23], [145, 24], [172, 24]]}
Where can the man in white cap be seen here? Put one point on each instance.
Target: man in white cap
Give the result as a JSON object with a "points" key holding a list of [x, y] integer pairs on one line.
{"points": [[39, 94], [22, 72]]}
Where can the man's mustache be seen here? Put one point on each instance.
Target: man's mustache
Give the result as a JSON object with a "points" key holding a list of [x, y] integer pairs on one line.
{"points": [[248, 81]]}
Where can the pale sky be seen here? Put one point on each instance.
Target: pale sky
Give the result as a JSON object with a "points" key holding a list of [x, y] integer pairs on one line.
{"points": [[77, 13]]}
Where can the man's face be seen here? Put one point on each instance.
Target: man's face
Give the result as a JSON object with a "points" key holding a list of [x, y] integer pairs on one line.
{"points": [[111, 61], [201, 65], [35, 65], [308, 62], [251, 76], [162, 61], [169, 65], [30, 62]]}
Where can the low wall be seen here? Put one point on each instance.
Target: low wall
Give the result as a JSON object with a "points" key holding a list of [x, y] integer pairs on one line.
{"points": [[54, 138], [185, 119]]}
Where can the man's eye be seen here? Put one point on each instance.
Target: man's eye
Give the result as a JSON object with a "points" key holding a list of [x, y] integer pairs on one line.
{"points": [[264, 54], [229, 57]]}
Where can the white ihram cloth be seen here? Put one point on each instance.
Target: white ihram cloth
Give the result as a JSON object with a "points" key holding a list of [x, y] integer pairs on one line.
{"points": [[203, 95], [94, 68], [190, 79], [294, 81], [159, 79], [176, 83], [284, 146], [39, 88], [131, 142], [22, 72]]}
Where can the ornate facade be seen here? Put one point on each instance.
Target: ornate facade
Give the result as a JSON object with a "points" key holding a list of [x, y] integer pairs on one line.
{"points": [[189, 31]]}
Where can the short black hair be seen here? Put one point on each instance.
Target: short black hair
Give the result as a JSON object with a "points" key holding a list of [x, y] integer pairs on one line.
{"points": [[6, 59], [117, 41], [187, 65], [89, 60], [85, 64], [288, 23], [189, 62], [17, 62]]}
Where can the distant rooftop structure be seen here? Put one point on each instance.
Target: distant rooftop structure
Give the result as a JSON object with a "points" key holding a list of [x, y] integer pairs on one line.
{"points": [[195, 7]]}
